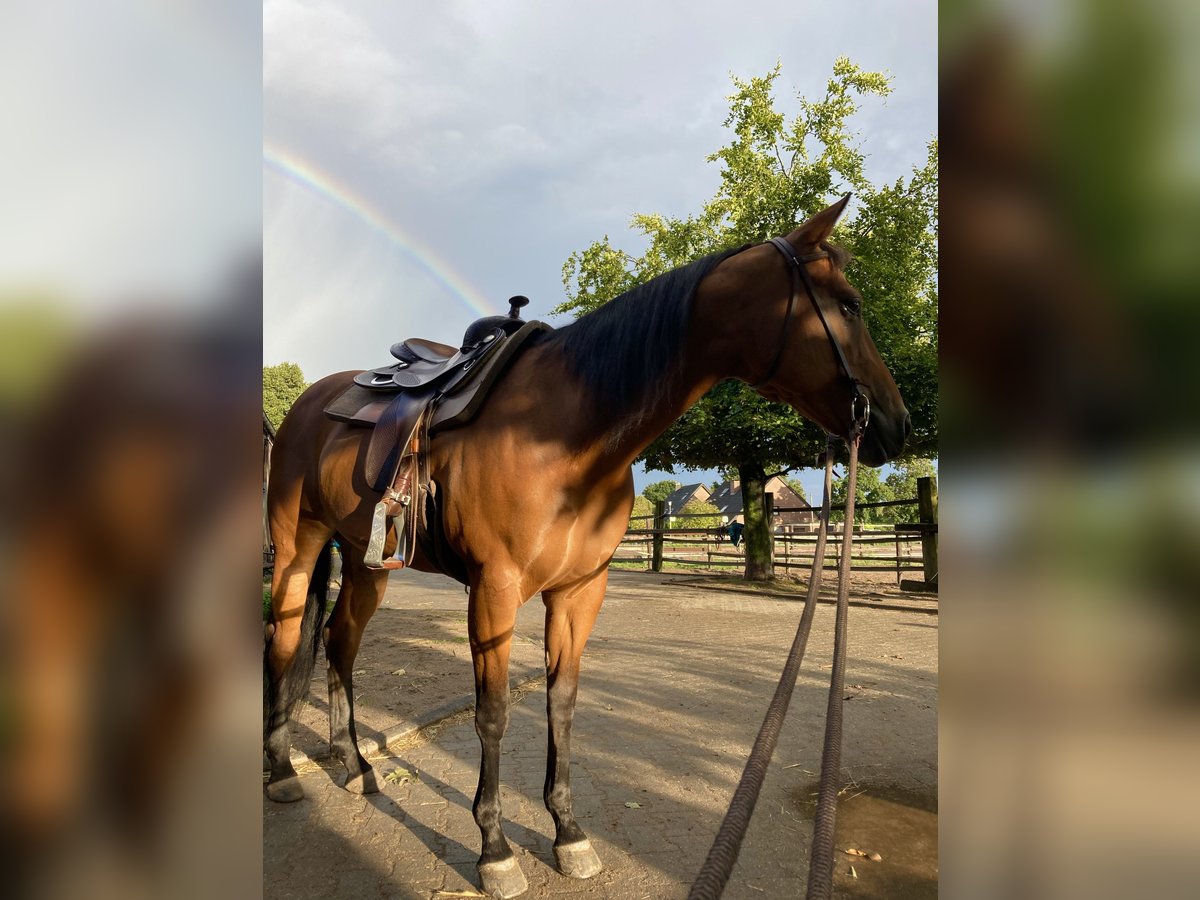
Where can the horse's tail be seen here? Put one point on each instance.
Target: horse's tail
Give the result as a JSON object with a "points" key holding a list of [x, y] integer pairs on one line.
{"points": [[293, 687]]}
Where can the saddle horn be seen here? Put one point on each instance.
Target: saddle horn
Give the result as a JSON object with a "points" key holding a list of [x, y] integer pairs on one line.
{"points": [[515, 304]]}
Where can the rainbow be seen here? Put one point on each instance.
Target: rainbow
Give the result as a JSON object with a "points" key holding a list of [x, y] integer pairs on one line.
{"points": [[291, 166]]}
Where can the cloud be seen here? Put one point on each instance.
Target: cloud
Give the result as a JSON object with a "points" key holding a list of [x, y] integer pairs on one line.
{"points": [[508, 135]]}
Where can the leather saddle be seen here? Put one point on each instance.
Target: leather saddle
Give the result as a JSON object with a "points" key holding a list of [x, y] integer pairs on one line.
{"points": [[431, 387]]}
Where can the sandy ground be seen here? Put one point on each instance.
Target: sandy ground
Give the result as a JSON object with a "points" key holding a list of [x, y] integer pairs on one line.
{"points": [[676, 678]]}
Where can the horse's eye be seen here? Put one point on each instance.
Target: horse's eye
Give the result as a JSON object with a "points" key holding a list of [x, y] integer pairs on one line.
{"points": [[851, 306]]}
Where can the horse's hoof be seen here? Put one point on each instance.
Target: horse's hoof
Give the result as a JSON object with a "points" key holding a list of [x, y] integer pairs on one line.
{"points": [[502, 879], [285, 790], [577, 860], [363, 783]]}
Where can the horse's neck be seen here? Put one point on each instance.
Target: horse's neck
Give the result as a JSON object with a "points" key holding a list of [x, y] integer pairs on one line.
{"points": [[713, 351]]}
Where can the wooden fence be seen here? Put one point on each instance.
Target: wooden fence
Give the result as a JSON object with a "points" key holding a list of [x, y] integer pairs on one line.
{"points": [[903, 548]]}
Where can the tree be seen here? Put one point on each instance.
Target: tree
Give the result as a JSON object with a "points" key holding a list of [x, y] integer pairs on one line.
{"points": [[869, 488], [903, 481], [707, 516], [900, 484], [660, 490], [641, 507], [282, 384], [775, 172], [903, 484]]}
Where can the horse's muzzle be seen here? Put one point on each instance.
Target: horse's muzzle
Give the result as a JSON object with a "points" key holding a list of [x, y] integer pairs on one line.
{"points": [[884, 438]]}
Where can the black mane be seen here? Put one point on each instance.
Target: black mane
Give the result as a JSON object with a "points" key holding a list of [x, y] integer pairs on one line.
{"points": [[628, 352]]}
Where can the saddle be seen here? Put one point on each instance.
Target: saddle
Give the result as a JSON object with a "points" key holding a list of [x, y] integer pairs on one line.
{"points": [[431, 387]]}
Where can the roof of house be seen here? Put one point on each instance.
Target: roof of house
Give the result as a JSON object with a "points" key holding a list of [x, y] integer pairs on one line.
{"points": [[728, 497], [681, 497]]}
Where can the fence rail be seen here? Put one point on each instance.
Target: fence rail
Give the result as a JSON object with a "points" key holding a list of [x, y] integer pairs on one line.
{"points": [[873, 551], [903, 548]]}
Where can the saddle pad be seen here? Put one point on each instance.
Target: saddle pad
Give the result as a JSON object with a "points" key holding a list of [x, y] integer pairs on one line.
{"points": [[359, 405]]}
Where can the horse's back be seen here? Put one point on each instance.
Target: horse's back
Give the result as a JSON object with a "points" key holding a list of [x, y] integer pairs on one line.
{"points": [[304, 438]]}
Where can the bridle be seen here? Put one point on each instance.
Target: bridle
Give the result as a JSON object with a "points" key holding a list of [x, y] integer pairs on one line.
{"points": [[718, 865], [860, 405]]}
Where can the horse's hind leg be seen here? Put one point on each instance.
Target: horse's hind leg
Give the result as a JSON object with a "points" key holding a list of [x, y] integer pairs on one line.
{"points": [[492, 613], [297, 605], [570, 615], [360, 595]]}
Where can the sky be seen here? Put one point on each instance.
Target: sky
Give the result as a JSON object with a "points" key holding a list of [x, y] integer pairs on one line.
{"points": [[424, 162], [130, 140]]}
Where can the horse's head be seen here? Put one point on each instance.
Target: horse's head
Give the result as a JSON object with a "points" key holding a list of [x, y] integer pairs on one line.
{"points": [[808, 372]]}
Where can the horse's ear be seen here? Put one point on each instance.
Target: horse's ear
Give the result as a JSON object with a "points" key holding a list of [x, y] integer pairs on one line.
{"points": [[817, 228]]}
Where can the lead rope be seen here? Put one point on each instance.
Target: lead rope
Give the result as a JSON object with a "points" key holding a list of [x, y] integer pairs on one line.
{"points": [[718, 866], [820, 869]]}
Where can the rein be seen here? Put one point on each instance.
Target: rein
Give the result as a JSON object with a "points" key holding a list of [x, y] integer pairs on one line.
{"points": [[718, 866]]}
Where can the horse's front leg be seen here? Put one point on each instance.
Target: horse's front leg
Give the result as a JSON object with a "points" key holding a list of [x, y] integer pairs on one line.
{"points": [[492, 613], [570, 615], [360, 595]]}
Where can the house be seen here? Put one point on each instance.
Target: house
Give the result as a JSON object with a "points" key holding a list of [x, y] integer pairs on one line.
{"points": [[728, 499], [681, 497]]}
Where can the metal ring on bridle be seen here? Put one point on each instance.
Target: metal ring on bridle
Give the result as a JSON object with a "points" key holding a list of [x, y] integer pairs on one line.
{"points": [[860, 420]]}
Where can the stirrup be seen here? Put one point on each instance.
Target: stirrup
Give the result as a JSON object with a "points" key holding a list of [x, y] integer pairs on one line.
{"points": [[373, 558]]}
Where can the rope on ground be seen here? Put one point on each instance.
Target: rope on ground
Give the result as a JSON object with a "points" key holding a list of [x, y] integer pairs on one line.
{"points": [[718, 866], [820, 869]]}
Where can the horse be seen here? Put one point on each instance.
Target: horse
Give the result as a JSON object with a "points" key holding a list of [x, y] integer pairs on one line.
{"points": [[537, 491]]}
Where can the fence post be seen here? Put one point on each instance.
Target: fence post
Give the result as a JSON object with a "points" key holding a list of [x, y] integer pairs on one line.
{"points": [[660, 524], [769, 515], [927, 508]]}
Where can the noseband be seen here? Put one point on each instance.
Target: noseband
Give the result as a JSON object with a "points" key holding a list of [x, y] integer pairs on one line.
{"points": [[860, 406]]}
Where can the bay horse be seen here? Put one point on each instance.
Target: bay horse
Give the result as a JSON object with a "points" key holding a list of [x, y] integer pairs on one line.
{"points": [[537, 491]]}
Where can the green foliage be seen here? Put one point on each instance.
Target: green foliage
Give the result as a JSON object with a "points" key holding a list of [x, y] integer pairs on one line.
{"points": [[901, 484], [282, 384], [894, 241], [660, 490], [641, 507], [730, 425], [708, 516], [870, 488], [776, 171]]}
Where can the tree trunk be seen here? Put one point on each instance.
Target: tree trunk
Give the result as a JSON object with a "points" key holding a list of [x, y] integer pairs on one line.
{"points": [[757, 537]]}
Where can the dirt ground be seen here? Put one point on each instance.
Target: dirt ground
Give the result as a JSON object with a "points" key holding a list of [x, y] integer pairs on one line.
{"points": [[677, 677]]}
